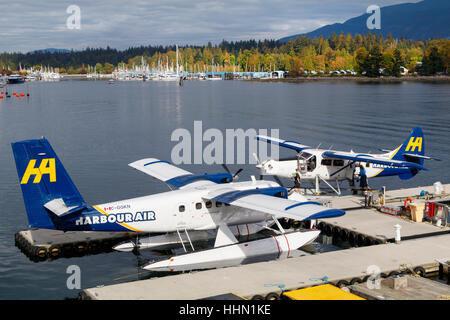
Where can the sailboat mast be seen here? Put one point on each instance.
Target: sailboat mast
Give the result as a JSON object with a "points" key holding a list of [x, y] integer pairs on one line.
{"points": [[177, 60]]}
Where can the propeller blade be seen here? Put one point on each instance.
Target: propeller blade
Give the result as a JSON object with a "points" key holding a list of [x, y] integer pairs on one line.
{"points": [[226, 168], [237, 172], [256, 158], [278, 181], [235, 175]]}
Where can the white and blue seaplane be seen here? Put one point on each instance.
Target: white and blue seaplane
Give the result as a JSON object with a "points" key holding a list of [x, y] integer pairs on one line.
{"points": [[319, 165], [198, 203]]}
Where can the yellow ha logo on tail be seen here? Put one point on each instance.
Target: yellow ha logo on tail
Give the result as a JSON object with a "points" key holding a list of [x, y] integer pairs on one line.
{"points": [[413, 144], [47, 166]]}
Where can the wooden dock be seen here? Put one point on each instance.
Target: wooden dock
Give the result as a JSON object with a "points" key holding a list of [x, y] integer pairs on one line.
{"points": [[267, 277], [375, 225], [416, 289], [368, 226]]}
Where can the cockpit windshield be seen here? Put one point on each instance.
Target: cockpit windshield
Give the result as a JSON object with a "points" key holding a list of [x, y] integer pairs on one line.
{"points": [[304, 155]]}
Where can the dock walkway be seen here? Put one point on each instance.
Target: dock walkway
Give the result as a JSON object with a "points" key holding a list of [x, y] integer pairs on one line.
{"points": [[366, 226], [294, 273]]}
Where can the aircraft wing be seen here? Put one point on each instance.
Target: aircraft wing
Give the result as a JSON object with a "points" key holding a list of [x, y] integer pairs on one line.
{"points": [[176, 177], [255, 199], [283, 143], [371, 159]]}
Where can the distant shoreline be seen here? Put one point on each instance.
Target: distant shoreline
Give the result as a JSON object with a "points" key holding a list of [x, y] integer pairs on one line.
{"points": [[75, 75], [382, 79], [440, 78]]}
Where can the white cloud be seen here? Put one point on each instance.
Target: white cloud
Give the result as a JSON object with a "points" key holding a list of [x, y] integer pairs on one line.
{"points": [[28, 25]]}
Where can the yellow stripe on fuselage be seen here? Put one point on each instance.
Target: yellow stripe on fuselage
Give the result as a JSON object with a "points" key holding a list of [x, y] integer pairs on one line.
{"points": [[121, 223], [393, 154]]}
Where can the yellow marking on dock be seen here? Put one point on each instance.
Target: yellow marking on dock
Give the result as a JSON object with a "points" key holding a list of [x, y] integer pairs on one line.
{"points": [[322, 292]]}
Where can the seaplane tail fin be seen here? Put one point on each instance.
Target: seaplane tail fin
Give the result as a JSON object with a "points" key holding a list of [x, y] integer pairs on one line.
{"points": [[48, 191], [412, 150]]}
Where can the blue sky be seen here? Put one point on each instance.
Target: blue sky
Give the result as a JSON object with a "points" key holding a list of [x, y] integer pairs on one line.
{"points": [[28, 25]]}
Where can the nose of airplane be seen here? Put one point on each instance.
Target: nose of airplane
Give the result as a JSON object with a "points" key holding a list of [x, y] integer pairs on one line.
{"points": [[125, 246]]}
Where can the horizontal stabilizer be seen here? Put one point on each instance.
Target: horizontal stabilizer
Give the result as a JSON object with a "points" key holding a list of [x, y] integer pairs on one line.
{"points": [[59, 207], [420, 156]]}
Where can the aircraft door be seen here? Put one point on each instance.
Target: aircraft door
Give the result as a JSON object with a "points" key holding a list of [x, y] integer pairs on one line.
{"points": [[312, 164]]}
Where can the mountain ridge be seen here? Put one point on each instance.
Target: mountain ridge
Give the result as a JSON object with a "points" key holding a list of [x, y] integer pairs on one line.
{"points": [[423, 20], [49, 50]]}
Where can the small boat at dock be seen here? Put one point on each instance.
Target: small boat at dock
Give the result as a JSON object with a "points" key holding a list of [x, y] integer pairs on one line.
{"points": [[15, 78]]}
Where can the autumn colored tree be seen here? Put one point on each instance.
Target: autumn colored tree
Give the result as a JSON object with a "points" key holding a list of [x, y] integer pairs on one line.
{"points": [[373, 62]]}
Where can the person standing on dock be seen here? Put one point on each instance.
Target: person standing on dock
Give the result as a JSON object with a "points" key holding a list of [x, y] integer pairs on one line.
{"points": [[352, 182], [297, 181], [363, 179]]}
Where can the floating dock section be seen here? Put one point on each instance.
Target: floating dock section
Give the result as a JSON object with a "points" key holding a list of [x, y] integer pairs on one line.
{"points": [[362, 226], [45, 244]]}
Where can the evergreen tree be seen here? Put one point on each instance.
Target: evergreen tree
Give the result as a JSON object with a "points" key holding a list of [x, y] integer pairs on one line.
{"points": [[432, 62], [398, 62], [373, 62]]}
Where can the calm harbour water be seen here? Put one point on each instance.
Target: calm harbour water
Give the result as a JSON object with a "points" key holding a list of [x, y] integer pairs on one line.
{"points": [[98, 128]]}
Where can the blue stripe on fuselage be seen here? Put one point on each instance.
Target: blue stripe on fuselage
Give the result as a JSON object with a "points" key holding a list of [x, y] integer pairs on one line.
{"points": [[392, 172]]}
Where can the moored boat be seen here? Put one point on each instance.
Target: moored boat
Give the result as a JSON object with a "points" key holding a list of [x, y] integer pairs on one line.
{"points": [[15, 78]]}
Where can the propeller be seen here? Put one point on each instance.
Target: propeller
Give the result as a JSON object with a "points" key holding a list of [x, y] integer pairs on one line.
{"points": [[277, 179], [235, 175], [260, 166]]}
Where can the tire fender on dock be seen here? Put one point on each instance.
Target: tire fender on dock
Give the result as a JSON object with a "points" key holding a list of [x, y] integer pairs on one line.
{"points": [[342, 283], [272, 296]]}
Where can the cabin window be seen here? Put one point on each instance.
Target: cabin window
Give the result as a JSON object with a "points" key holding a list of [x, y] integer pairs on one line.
{"points": [[326, 162], [198, 205], [208, 204], [338, 163], [218, 204], [181, 208], [227, 205]]}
